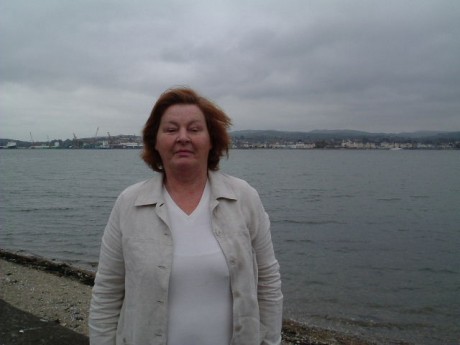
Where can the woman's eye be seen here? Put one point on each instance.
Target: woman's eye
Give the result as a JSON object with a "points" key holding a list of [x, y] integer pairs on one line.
{"points": [[196, 129]]}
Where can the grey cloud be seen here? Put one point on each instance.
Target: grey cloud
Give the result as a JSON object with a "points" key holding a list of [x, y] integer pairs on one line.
{"points": [[361, 64]]}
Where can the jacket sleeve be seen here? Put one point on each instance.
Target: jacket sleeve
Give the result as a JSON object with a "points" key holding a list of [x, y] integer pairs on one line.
{"points": [[108, 290], [269, 293]]}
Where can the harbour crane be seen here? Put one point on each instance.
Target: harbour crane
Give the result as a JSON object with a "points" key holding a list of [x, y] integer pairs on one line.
{"points": [[95, 137], [76, 144]]}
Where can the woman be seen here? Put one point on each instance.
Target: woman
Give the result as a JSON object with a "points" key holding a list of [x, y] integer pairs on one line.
{"points": [[187, 257]]}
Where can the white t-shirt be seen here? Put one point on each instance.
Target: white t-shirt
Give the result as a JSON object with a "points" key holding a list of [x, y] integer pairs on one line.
{"points": [[200, 300]]}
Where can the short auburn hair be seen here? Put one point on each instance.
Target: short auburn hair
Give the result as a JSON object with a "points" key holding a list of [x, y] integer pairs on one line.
{"points": [[217, 123]]}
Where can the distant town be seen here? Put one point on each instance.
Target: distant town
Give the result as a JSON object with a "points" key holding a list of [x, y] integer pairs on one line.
{"points": [[270, 139]]}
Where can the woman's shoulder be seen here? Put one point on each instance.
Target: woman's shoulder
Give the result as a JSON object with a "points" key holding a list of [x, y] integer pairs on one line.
{"points": [[223, 178], [232, 184], [143, 188]]}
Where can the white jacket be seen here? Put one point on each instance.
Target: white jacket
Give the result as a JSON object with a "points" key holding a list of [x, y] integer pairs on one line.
{"points": [[130, 295]]}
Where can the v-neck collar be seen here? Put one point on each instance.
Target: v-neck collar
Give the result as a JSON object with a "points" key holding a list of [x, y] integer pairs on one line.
{"points": [[204, 200]]}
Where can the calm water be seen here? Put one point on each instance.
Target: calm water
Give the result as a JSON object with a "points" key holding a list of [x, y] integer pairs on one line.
{"points": [[368, 241]]}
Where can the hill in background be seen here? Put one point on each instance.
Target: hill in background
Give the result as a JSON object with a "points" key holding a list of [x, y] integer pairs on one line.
{"points": [[320, 139], [339, 135]]}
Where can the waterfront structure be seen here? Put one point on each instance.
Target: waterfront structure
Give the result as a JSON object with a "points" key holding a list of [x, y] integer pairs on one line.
{"points": [[10, 145]]}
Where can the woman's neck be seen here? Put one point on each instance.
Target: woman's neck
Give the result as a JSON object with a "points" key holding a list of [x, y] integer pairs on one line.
{"points": [[186, 190]]}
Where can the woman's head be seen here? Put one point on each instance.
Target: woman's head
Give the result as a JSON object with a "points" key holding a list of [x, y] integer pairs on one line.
{"points": [[217, 123]]}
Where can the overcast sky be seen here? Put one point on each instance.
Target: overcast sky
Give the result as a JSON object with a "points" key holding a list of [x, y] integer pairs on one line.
{"points": [[380, 66]]}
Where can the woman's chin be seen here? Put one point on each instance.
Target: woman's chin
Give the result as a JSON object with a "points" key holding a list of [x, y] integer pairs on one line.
{"points": [[185, 165]]}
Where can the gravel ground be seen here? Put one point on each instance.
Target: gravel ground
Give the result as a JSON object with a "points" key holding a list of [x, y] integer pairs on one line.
{"points": [[46, 295], [57, 292]]}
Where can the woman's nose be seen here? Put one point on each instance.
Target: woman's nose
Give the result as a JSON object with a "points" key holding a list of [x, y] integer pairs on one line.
{"points": [[182, 136]]}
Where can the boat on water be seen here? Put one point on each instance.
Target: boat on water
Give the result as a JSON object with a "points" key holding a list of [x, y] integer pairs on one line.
{"points": [[396, 148], [10, 145]]}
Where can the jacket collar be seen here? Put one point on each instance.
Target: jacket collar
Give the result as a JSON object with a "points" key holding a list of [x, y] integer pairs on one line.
{"points": [[221, 187], [151, 192]]}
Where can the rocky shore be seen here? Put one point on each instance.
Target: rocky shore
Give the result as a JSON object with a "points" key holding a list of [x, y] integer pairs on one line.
{"points": [[61, 293]]}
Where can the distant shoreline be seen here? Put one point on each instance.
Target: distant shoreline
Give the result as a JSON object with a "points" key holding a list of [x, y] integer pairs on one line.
{"points": [[272, 139], [295, 147], [36, 266]]}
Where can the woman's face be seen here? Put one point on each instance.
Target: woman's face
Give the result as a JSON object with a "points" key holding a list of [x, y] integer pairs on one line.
{"points": [[183, 140]]}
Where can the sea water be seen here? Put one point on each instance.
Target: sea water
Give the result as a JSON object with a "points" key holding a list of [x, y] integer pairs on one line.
{"points": [[368, 241]]}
